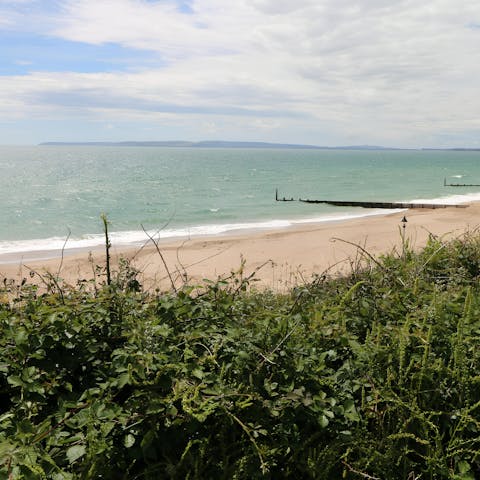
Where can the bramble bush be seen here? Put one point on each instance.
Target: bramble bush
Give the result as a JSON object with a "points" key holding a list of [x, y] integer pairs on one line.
{"points": [[373, 375]]}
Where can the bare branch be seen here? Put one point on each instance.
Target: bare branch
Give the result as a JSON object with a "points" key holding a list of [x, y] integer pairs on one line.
{"points": [[165, 225], [359, 247], [63, 252], [155, 242]]}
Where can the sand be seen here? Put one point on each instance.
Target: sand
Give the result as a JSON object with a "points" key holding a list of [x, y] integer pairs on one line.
{"points": [[278, 259]]}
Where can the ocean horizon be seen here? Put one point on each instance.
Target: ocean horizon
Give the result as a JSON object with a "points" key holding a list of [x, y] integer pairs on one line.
{"points": [[49, 193]]}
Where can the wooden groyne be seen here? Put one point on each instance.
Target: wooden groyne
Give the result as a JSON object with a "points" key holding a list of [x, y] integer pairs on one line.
{"points": [[445, 184], [282, 199], [389, 205]]}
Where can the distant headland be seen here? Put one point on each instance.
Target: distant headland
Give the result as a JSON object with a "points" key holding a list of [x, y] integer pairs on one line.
{"points": [[217, 144], [230, 144]]}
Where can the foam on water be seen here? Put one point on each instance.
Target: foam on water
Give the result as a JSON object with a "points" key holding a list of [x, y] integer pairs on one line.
{"points": [[139, 237], [449, 199]]}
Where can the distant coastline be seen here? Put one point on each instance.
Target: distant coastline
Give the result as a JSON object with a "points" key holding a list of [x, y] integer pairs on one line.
{"points": [[232, 144], [218, 144]]}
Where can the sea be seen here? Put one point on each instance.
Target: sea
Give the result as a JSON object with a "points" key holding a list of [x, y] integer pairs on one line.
{"points": [[53, 196]]}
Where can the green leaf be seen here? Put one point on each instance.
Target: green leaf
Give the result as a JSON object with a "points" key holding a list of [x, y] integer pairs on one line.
{"points": [[6, 449], [323, 421], [163, 330], [463, 466], [6, 416], [75, 452], [123, 379], [349, 405], [106, 428], [21, 337], [62, 476], [15, 381], [25, 426], [129, 440]]}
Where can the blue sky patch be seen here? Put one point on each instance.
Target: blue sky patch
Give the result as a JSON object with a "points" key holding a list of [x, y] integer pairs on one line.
{"points": [[21, 53], [184, 6]]}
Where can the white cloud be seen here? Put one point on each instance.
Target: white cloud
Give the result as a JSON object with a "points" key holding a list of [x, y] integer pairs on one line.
{"points": [[157, 26], [379, 71]]}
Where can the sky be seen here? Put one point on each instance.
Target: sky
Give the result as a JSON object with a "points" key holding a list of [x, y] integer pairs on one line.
{"points": [[397, 73]]}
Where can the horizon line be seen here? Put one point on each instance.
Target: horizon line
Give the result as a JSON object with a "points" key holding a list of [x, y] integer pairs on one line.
{"points": [[242, 144]]}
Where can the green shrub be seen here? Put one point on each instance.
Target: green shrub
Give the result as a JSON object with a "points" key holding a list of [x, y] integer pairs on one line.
{"points": [[374, 375]]}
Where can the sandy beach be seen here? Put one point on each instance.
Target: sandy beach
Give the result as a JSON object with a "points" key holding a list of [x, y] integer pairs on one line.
{"points": [[279, 259]]}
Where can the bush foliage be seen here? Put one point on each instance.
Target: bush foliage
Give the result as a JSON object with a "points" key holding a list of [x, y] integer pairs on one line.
{"points": [[374, 375]]}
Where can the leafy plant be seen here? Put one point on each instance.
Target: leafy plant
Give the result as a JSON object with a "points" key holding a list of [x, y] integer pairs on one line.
{"points": [[373, 375]]}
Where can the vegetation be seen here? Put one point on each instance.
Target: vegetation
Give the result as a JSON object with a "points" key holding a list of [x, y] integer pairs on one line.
{"points": [[371, 376]]}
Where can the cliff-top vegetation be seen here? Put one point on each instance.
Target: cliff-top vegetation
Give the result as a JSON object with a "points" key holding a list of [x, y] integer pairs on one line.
{"points": [[370, 376]]}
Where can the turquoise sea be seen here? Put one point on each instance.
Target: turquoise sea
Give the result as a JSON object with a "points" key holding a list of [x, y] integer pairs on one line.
{"points": [[50, 192]]}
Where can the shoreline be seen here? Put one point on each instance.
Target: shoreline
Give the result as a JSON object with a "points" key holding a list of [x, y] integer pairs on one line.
{"points": [[281, 258], [47, 248], [95, 242]]}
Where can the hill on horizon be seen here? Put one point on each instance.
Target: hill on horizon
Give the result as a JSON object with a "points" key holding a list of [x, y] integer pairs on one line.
{"points": [[219, 144]]}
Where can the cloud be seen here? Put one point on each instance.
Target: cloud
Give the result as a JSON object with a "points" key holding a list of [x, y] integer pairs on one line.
{"points": [[379, 71], [155, 26]]}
